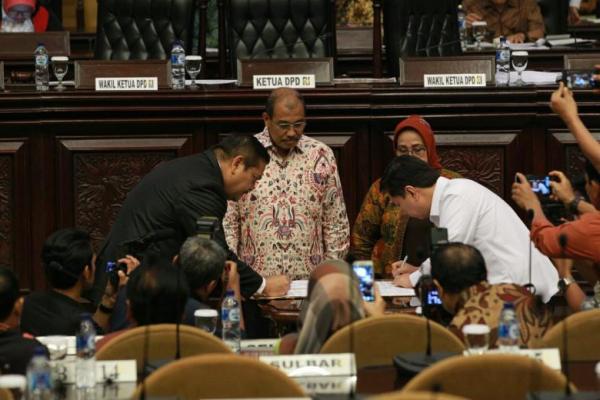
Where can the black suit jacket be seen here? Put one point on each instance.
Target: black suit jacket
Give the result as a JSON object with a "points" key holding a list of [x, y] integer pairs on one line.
{"points": [[173, 196]]}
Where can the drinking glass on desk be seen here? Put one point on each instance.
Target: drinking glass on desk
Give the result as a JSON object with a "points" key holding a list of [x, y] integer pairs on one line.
{"points": [[519, 63], [479, 32], [193, 65], [57, 350], [477, 337], [206, 319], [60, 65]]}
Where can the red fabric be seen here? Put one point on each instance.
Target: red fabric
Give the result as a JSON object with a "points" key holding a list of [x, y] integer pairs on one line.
{"points": [[422, 127], [8, 4], [40, 20]]}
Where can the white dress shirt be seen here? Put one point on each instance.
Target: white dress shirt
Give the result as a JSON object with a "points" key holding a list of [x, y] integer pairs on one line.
{"points": [[574, 3], [474, 215]]}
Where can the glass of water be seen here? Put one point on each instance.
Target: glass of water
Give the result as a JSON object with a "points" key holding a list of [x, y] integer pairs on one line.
{"points": [[519, 63], [193, 65], [60, 65], [57, 350], [206, 319], [479, 32], [477, 337]]}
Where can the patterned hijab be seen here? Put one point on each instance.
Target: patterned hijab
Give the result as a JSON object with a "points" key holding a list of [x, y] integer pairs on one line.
{"points": [[333, 301], [422, 127]]}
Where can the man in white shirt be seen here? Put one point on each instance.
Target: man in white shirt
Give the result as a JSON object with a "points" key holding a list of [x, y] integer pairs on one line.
{"points": [[472, 215]]}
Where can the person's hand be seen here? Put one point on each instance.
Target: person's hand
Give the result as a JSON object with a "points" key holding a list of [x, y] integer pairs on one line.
{"points": [[401, 267], [472, 17], [277, 285], [132, 264], [375, 308], [233, 278], [523, 195], [516, 38], [563, 103], [574, 17], [561, 188], [403, 280]]}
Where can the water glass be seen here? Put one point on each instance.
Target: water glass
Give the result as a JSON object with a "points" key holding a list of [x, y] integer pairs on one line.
{"points": [[479, 32], [193, 65], [206, 319], [477, 337], [60, 66], [519, 63]]}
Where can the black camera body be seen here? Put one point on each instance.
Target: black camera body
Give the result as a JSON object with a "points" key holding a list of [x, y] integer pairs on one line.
{"points": [[112, 271], [207, 227]]}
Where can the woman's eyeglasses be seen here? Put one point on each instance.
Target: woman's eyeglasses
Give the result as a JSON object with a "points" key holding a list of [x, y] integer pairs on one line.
{"points": [[414, 150]]}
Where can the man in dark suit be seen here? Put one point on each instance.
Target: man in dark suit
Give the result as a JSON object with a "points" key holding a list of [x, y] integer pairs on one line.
{"points": [[172, 197]]}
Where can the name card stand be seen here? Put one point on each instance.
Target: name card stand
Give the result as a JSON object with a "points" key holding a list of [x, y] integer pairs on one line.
{"points": [[106, 371], [20, 46], [86, 71], [1, 75], [581, 61], [413, 69], [321, 68]]}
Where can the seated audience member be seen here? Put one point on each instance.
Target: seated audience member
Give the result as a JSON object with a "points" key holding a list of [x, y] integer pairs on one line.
{"points": [[333, 301], [156, 294], [384, 234], [69, 264], [15, 349], [517, 20], [472, 214], [202, 261], [460, 274], [27, 16]]}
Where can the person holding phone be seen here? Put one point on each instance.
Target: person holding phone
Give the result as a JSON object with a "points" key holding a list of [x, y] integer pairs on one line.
{"points": [[334, 300], [382, 232]]}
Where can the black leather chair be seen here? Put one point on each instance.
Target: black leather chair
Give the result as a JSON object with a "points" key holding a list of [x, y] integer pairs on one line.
{"points": [[277, 29], [143, 29], [555, 15], [414, 28]]}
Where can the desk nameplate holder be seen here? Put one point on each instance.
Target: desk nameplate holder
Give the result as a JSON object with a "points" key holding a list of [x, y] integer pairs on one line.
{"points": [[86, 71], [321, 68], [20, 46], [318, 373], [413, 69], [117, 371]]}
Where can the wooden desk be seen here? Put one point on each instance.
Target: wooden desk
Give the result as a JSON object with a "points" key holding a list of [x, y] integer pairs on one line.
{"points": [[69, 158]]}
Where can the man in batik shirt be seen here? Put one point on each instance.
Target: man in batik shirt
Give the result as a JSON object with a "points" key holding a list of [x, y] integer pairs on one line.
{"points": [[295, 217]]}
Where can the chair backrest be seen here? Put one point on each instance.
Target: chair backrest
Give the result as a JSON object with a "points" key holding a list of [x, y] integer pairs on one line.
{"points": [[583, 336], [422, 28], [279, 29], [143, 29], [401, 395], [490, 377], [6, 394], [376, 340], [161, 344], [555, 15], [220, 376]]}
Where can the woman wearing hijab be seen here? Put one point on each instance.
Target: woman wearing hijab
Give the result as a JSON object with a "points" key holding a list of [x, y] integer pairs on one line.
{"points": [[333, 301], [27, 16], [381, 233]]}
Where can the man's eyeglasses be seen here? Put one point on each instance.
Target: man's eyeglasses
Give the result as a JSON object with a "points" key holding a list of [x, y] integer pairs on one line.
{"points": [[286, 126], [415, 150], [25, 14]]}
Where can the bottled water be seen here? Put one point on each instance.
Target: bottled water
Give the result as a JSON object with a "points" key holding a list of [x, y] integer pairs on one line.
{"points": [[502, 63], [39, 376], [178, 66], [85, 374], [230, 320], [40, 56], [462, 28], [508, 329]]}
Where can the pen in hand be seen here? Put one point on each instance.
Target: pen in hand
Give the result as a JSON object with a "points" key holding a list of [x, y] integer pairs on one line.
{"points": [[396, 271]]}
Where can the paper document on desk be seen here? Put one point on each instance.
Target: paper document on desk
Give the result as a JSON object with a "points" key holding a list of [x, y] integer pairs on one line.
{"points": [[527, 46], [298, 288], [536, 77], [387, 289]]}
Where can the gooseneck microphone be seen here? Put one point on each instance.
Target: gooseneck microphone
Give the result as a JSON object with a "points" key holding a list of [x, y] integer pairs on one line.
{"points": [[530, 286], [562, 242]]}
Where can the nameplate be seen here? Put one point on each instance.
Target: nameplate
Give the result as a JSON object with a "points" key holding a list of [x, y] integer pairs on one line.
{"points": [[127, 84], [258, 344], [320, 68], [414, 69], [303, 365], [328, 384], [87, 71], [276, 81], [106, 371], [453, 80], [550, 357]]}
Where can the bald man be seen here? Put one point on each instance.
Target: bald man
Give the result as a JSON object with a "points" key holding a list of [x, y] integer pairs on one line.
{"points": [[295, 217]]}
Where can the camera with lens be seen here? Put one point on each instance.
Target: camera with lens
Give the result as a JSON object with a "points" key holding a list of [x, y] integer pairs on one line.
{"points": [[112, 271], [207, 227]]}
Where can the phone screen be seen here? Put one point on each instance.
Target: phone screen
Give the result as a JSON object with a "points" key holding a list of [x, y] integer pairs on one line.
{"points": [[364, 272], [433, 298], [541, 186]]}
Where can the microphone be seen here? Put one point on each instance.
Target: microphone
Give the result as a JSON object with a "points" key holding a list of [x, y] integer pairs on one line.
{"points": [[530, 286], [437, 46], [289, 46]]}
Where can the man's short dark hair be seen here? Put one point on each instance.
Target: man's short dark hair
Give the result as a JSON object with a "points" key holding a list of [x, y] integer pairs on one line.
{"points": [[65, 254], [591, 172], [9, 292], [405, 171], [242, 145], [457, 266], [201, 260], [277, 95]]}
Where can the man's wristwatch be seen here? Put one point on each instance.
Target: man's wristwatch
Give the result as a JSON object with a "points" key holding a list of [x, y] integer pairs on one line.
{"points": [[564, 283], [574, 205]]}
